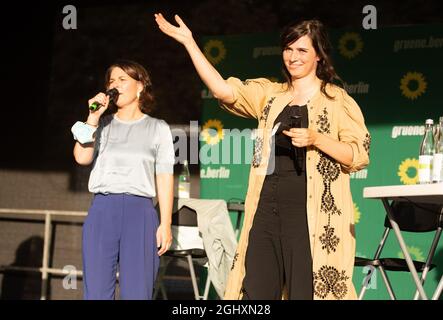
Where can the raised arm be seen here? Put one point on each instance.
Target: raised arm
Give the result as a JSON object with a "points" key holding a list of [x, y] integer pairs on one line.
{"points": [[84, 153], [209, 75]]}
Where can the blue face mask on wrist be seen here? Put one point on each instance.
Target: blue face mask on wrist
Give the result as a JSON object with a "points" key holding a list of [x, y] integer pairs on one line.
{"points": [[83, 132]]}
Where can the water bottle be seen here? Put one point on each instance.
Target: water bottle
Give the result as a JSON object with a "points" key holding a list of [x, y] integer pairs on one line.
{"points": [[437, 161], [426, 154], [184, 182]]}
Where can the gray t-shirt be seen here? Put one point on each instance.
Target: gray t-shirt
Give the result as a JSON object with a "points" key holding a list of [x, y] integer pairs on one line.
{"points": [[128, 154]]}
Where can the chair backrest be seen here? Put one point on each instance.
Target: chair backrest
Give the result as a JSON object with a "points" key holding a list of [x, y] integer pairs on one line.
{"points": [[185, 232], [416, 217], [185, 217]]}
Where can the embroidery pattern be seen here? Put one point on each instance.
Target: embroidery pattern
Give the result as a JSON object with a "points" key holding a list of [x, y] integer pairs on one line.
{"points": [[323, 124], [258, 148], [329, 239], [330, 171], [329, 280], [234, 261], [367, 143], [266, 109]]}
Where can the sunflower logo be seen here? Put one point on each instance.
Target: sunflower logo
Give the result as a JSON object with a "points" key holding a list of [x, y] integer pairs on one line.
{"points": [[404, 171], [415, 252], [212, 131], [413, 85], [214, 51], [357, 214], [350, 45]]}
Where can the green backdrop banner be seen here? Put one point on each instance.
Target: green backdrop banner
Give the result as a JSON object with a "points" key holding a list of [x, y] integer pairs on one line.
{"points": [[394, 74]]}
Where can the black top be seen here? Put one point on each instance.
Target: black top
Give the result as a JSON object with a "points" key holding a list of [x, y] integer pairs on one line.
{"points": [[288, 157]]}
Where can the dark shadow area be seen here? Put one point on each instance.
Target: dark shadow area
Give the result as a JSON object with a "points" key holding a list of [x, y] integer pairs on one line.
{"points": [[176, 281], [51, 72], [79, 177], [18, 285]]}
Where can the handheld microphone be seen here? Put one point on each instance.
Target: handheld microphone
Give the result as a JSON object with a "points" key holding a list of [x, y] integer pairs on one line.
{"points": [[298, 152], [113, 96]]}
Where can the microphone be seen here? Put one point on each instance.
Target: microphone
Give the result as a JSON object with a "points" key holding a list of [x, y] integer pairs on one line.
{"points": [[298, 152], [113, 96]]}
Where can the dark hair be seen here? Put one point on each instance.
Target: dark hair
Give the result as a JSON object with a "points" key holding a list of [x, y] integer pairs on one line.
{"points": [[316, 31], [137, 72]]}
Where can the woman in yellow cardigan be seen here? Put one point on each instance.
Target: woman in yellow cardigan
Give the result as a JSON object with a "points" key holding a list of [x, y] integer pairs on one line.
{"points": [[298, 236]]}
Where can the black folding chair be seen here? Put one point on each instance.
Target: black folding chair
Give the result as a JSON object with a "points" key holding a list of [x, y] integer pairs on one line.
{"points": [[185, 217], [410, 217]]}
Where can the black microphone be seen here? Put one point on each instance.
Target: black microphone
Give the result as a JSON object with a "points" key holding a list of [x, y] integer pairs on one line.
{"points": [[113, 96], [298, 151]]}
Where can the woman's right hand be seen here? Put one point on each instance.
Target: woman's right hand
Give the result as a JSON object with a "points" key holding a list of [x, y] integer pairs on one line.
{"points": [[181, 33], [94, 116]]}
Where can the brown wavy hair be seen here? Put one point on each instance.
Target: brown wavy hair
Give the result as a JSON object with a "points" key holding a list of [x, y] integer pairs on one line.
{"points": [[316, 31], [137, 72]]}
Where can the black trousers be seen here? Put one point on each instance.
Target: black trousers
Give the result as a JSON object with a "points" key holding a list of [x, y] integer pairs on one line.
{"points": [[278, 252]]}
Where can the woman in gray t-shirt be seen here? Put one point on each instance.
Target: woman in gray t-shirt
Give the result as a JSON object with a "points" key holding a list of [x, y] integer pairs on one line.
{"points": [[132, 156]]}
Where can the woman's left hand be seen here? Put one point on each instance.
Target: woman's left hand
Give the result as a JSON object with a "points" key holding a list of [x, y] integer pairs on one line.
{"points": [[164, 238], [301, 137]]}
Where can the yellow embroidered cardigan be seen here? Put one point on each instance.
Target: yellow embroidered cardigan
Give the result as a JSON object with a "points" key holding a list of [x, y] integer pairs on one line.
{"points": [[330, 208]]}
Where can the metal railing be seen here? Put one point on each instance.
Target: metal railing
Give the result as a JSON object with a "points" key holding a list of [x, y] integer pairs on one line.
{"points": [[49, 216]]}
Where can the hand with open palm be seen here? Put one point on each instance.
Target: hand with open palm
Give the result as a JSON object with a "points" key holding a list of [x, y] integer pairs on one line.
{"points": [[181, 33], [209, 75]]}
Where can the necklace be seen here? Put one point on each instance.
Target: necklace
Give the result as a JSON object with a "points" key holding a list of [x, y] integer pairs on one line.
{"points": [[298, 99]]}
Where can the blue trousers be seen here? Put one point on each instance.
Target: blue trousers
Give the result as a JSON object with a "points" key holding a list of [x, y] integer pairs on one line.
{"points": [[120, 230]]}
